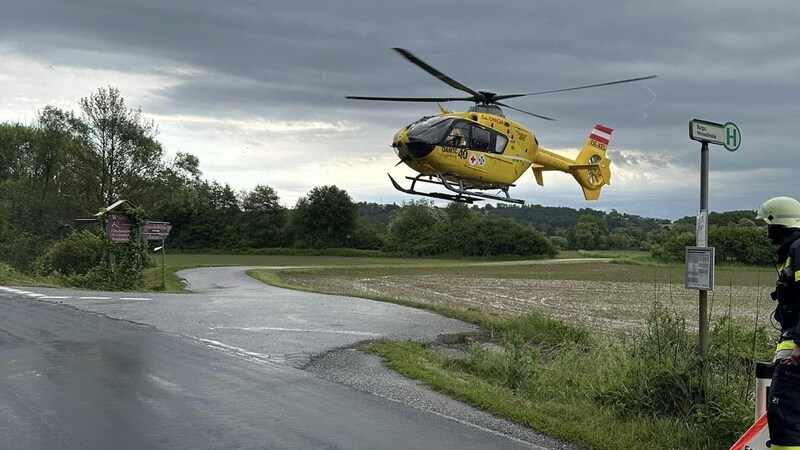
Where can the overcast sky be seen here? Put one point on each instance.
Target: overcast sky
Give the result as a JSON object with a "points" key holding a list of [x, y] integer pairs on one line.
{"points": [[256, 89]]}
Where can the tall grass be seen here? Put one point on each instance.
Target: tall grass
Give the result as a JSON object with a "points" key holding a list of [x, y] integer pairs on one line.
{"points": [[659, 375], [643, 391]]}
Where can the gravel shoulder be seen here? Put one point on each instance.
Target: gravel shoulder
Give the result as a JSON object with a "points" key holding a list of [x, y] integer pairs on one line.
{"points": [[366, 373]]}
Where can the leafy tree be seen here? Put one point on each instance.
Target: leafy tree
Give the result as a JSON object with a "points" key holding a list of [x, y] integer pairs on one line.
{"points": [[59, 194], [505, 237], [121, 152], [409, 228], [369, 235], [739, 241], [420, 229], [325, 218], [589, 233], [459, 225], [263, 218], [673, 248], [214, 210], [374, 212], [744, 244]]}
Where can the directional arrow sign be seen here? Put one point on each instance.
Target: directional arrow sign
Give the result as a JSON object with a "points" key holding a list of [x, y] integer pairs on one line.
{"points": [[727, 135]]}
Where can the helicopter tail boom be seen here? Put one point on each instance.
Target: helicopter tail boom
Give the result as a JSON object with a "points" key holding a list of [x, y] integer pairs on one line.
{"points": [[593, 169], [590, 169]]}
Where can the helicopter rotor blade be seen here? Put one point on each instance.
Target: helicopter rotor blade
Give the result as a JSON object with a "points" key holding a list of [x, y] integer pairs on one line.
{"points": [[431, 70], [411, 99], [629, 80], [523, 111]]}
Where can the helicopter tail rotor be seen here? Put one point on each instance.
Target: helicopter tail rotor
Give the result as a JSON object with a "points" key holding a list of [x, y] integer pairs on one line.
{"points": [[593, 169]]}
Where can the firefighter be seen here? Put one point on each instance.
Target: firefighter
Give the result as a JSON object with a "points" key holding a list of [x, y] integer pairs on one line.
{"points": [[782, 216]]}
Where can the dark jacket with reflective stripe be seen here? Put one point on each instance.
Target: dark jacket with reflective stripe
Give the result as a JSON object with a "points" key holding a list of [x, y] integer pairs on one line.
{"points": [[787, 289]]}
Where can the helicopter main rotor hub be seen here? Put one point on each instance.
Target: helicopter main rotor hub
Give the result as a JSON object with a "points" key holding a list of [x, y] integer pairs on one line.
{"points": [[487, 97]]}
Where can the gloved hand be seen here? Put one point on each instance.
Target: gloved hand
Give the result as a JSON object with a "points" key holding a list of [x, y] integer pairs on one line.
{"points": [[794, 358]]}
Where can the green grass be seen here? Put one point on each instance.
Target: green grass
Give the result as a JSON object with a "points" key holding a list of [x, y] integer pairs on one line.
{"points": [[9, 276], [589, 390], [562, 408], [210, 259], [620, 256]]}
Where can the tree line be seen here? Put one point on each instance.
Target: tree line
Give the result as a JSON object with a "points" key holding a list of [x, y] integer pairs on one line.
{"points": [[66, 166]]}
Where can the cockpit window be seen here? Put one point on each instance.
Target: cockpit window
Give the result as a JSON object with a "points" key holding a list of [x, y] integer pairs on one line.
{"points": [[480, 139], [431, 130], [458, 136], [500, 143]]}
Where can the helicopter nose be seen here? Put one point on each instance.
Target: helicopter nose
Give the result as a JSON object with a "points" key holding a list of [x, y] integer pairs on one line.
{"points": [[414, 148]]}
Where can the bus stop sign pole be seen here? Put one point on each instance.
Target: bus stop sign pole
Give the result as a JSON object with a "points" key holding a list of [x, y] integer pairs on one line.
{"points": [[700, 259]]}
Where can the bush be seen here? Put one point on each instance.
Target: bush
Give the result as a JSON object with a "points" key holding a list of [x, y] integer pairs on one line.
{"points": [[19, 248], [8, 273], [78, 253], [661, 377], [97, 278]]}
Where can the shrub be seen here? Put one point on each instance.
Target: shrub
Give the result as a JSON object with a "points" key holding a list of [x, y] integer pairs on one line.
{"points": [[97, 278], [76, 254], [661, 375], [8, 273]]}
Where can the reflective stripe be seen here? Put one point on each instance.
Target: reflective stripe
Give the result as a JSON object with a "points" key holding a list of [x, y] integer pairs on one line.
{"points": [[785, 447], [782, 354], [784, 345], [786, 263]]}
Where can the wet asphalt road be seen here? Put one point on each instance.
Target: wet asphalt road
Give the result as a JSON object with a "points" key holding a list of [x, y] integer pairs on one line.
{"points": [[218, 368]]}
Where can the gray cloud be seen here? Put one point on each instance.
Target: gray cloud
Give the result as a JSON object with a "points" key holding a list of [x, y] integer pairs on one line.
{"points": [[296, 61]]}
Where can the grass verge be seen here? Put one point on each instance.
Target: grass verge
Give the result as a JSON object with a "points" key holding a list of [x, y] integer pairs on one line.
{"points": [[8, 275], [563, 410], [560, 381]]}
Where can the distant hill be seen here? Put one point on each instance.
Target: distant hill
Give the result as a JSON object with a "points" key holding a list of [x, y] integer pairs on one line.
{"points": [[544, 218]]}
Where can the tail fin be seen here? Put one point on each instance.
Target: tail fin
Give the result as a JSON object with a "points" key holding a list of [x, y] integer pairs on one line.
{"points": [[592, 170]]}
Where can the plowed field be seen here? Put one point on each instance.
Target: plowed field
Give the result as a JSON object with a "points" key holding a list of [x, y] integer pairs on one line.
{"points": [[604, 296]]}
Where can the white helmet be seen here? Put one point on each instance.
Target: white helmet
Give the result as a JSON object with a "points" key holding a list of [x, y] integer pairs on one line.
{"points": [[783, 211]]}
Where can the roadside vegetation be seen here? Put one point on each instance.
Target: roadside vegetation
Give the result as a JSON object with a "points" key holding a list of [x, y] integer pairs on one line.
{"points": [[638, 387], [638, 392]]}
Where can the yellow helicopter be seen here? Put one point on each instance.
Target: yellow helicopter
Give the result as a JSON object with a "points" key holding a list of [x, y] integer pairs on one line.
{"points": [[469, 153]]}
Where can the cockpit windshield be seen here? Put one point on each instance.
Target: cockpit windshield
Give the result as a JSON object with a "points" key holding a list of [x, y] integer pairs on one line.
{"points": [[430, 130]]}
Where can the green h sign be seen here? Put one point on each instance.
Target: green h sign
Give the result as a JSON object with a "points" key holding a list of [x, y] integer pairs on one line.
{"points": [[732, 137], [727, 135]]}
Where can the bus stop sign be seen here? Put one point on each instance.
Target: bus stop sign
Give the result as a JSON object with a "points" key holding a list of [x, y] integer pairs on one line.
{"points": [[727, 135]]}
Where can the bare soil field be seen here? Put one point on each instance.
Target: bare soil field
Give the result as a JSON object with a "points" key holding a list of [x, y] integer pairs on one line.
{"points": [[606, 300]]}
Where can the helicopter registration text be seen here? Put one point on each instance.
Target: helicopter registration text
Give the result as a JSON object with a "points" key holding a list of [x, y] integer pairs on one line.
{"points": [[460, 152], [596, 144]]}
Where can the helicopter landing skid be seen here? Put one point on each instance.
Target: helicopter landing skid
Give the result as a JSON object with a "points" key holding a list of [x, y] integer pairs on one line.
{"points": [[462, 194]]}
